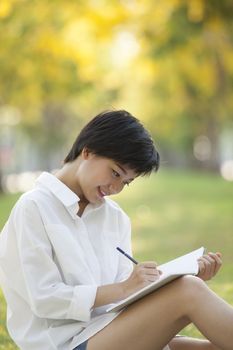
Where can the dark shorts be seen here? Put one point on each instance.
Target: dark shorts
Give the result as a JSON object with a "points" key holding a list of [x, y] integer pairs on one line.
{"points": [[82, 346]]}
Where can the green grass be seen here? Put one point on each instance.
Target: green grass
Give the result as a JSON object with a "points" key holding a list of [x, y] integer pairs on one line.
{"points": [[172, 213], [6, 203]]}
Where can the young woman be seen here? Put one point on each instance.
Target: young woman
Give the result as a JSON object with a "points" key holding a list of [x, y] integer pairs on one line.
{"points": [[60, 269]]}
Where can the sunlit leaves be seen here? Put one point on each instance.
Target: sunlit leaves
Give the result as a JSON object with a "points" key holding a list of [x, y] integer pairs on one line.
{"points": [[170, 62]]}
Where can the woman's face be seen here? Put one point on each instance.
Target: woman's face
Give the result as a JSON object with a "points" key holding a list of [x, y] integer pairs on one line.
{"points": [[98, 177]]}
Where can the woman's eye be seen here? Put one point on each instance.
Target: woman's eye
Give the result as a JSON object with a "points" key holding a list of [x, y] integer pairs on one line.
{"points": [[115, 173]]}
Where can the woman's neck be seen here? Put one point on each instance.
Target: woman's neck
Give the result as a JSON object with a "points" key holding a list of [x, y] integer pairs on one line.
{"points": [[68, 175]]}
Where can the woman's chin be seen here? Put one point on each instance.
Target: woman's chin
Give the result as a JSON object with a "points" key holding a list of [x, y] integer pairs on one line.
{"points": [[99, 200]]}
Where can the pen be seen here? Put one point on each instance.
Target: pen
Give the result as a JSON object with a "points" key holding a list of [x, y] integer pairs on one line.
{"points": [[127, 255]]}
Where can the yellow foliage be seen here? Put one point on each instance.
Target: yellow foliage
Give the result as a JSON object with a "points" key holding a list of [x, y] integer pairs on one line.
{"points": [[5, 8], [132, 49], [195, 10], [228, 59]]}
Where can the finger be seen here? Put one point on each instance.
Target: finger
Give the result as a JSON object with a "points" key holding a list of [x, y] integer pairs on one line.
{"points": [[157, 272], [146, 273], [201, 267], [217, 257], [153, 275], [150, 271], [150, 274], [153, 278], [149, 264], [210, 265], [204, 268], [218, 261], [143, 278]]}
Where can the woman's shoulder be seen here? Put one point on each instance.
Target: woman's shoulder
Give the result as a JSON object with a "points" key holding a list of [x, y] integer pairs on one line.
{"points": [[28, 201], [111, 204], [115, 207]]}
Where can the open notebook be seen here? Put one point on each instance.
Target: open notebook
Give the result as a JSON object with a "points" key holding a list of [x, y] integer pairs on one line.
{"points": [[184, 265]]}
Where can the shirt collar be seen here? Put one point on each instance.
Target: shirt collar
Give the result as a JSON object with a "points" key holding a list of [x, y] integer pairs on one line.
{"points": [[64, 194], [58, 188]]}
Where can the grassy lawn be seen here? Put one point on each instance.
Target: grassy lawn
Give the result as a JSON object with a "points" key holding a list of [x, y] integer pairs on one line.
{"points": [[172, 213]]}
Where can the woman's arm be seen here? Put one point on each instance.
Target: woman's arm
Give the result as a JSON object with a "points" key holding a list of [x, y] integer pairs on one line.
{"points": [[147, 272], [142, 275], [44, 289]]}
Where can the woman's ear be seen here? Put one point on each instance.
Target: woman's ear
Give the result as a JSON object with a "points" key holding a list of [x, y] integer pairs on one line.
{"points": [[85, 153]]}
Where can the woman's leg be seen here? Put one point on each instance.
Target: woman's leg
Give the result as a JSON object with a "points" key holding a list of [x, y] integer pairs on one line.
{"points": [[153, 321], [184, 343]]}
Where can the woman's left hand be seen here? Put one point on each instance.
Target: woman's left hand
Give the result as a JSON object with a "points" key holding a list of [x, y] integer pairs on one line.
{"points": [[209, 264]]}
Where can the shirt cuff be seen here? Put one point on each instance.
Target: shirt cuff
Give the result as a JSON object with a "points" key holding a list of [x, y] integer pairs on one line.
{"points": [[82, 303]]}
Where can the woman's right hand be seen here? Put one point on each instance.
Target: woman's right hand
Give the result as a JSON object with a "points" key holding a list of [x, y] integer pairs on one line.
{"points": [[143, 274]]}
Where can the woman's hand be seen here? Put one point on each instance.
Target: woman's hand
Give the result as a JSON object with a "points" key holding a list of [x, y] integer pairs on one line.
{"points": [[143, 274], [209, 264]]}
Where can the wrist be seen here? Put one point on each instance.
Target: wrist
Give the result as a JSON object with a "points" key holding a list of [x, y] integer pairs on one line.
{"points": [[125, 289]]}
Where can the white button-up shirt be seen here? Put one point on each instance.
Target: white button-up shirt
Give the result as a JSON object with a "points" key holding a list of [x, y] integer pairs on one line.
{"points": [[52, 261]]}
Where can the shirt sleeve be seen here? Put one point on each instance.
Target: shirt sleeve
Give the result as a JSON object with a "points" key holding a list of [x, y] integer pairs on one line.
{"points": [[47, 294], [125, 266]]}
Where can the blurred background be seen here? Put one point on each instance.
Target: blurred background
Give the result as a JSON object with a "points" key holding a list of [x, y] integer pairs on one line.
{"points": [[170, 63]]}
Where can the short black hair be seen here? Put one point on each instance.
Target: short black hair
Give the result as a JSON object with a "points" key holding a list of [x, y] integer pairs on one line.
{"points": [[119, 136]]}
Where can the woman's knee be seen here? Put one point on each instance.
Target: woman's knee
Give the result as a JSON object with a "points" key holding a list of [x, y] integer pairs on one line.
{"points": [[190, 289], [176, 297], [193, 283]]}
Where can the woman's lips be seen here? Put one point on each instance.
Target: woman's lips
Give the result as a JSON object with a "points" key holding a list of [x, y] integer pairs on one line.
{"points": [[101, 192]]}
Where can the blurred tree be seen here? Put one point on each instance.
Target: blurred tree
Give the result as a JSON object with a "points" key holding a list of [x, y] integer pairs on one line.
{"points": [[53, 50], [52, 59], [169, 62], [190, 43]]}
